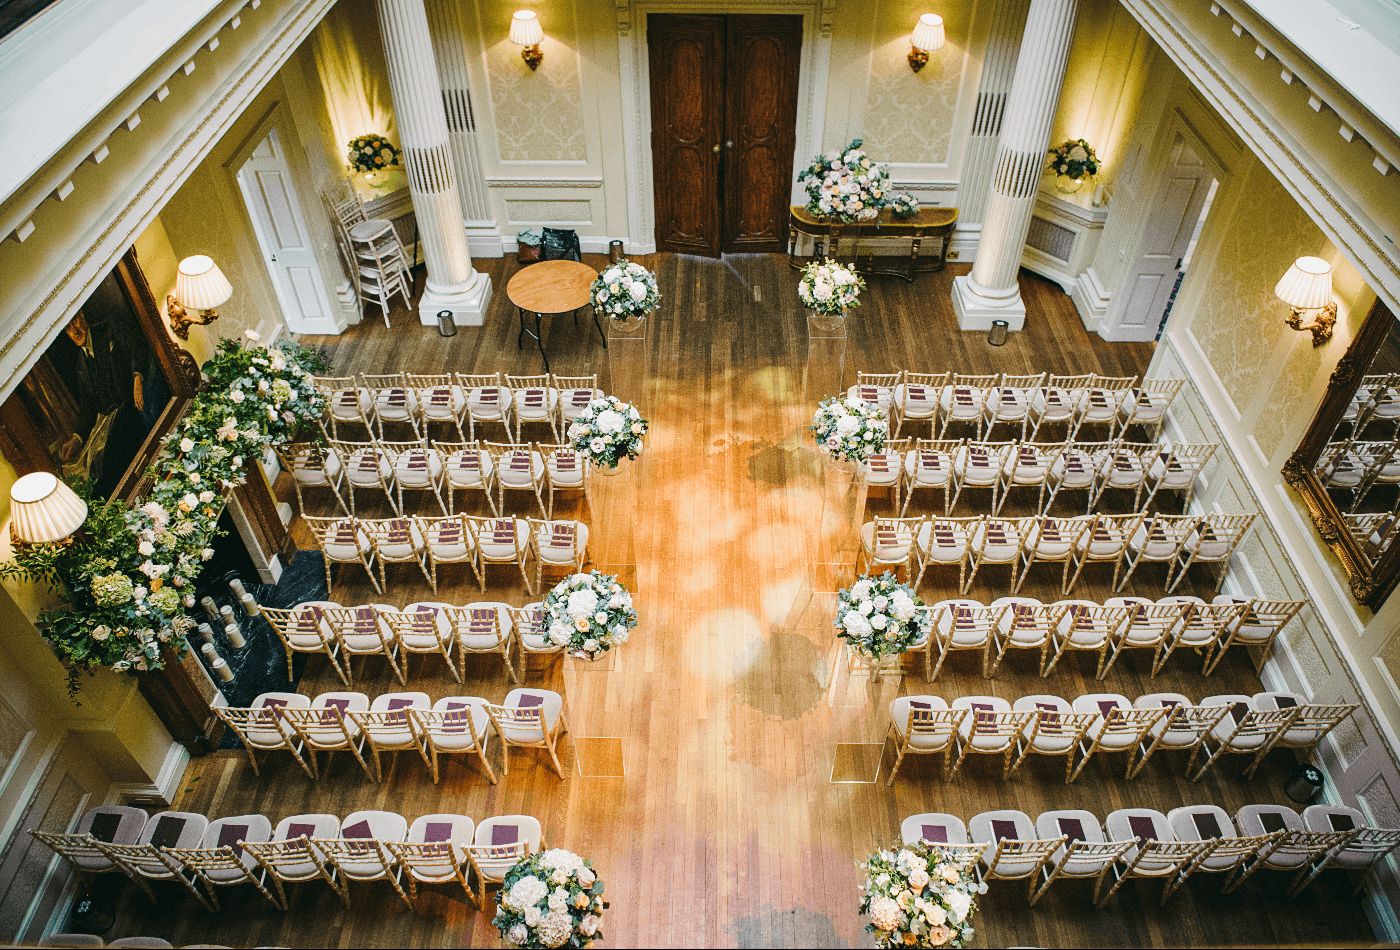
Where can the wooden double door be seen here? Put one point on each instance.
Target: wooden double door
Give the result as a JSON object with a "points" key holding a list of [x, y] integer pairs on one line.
{"points": [[724, 126]]}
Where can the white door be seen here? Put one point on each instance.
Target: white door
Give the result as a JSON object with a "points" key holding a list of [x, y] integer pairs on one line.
{"points": [[266, 183], [1170, 228]]}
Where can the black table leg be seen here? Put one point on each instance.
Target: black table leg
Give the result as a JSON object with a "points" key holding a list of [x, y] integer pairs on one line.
{"points": [[520, 318], [539, 342], [601, 335]]}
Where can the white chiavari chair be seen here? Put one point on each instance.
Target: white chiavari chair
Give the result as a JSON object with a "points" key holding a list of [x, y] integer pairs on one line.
{"points": [[1105, 541], [343, 541], [387, 727], [889, 543], [559, 545], [532, 719], [359, 854], [962, 400], [1176, 468], [435, 853], [1203, 628], [368, 467], [418, 467], [1127, 468], [260, 727], [1259, 626], [484, 627], [500, 541], [1243, 730], [488, 402], [915, 399], [326, 727], [1058, 402], [423, 629], [1009, 403], [962, 625], [105, 824], [468, 468], [1296, 850], [1182, 729], [1086, 855], [877, 389], [289, 857], [1118, 726], [1212, 540], [534, 399], [1076, 468], [994, 541], [885, 469], [222, 860], [398, 541], [393, 400], [944, 542], [929, 464], [303, 629], [575, 393], [1149, 625], [921, 725], [380, 268], [363, 631], [313, 466], [1156, 539], [532, 635], [1147, 405], [1309, 726], [1085, 627], [347, 400], [1027, 465], [145, 862], [565, 471], [1055, 730], [501, 842], [1103, 397], [1223, 850], [447, 541], [440, 399], [934, 828], [1381, 466], [456, 725], [1366, 848], [1154, 853], [989, 727], [1012, 850], [1050, 540], [979, 465], [519, 466], [1026, 624]]}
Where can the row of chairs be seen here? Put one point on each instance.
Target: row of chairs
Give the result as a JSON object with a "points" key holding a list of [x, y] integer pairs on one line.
{"points": [[343, 721], [1051, 469], [1377, 399], [1071, 844], [203, 856], [441, 469], [378, 264], [1025, 401], [1106, 723], [1373, 531], [449, 631], [478, 541], [460, 400], [914, 544], [1107, 630], [1359, 466]]}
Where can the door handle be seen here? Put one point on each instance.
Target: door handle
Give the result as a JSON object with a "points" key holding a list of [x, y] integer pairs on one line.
{"points": [[274, 258], [715, 148], [728, 143]]}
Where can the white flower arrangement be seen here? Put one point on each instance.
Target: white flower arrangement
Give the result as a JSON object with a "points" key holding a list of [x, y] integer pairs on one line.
{"points": [[829, 287], [551, 899], [850, 429], [588, 614], [625, 289], [917, 896], [904, 205], [879, 616], [1074, 159], [846, 185], [608, 431]]}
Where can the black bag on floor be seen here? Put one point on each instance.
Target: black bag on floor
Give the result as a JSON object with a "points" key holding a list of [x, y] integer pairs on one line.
{"points": [[560, 244]]}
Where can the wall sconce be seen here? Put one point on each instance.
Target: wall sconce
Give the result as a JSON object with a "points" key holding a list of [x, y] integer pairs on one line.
{"points": [[1307, 288], [43, 510], [927, 38], [525, 30], [200, 286]]}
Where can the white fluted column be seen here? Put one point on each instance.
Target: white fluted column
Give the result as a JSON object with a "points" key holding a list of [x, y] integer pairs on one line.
{"points": [[990, 292], [453, 284]]}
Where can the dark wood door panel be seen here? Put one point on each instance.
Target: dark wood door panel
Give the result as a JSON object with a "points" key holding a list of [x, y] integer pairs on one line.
{"points": [[686, 55]]}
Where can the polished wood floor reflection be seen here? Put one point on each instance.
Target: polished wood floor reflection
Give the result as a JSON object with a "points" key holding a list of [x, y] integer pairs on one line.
{"points": [[743, 741]]}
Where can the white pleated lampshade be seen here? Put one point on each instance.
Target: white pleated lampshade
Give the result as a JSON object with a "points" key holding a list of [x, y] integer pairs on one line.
{"points": [[200, 285], [525, 28], [928, 33], [44, 509], [1307, 285]]}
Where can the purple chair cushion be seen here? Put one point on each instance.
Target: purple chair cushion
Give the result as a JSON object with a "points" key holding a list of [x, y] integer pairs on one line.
{"points": [[1285, 702], [504, 834], [230, 835], [935, 833], [1272, 821], [167, 831], [298, 829], [104, 826], [1341, 822], [438, 831], [527, 700], [1004, 829], [1207, 826], [1142, 826], [1073, 828], [359, 829]]}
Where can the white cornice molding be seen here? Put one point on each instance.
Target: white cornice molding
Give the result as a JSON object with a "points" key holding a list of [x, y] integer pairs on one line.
{"points": [[501, 182]]}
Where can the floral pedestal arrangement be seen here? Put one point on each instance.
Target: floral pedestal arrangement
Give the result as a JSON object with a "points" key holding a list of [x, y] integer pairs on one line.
{"points": [[606, 432], [588, 614], [829, 290], [551, 899], [880, 619], [919, 896], [625, 292]]}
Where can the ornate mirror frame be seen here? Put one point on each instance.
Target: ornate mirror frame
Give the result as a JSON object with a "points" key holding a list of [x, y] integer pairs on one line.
{"points": [[1370, 582]]}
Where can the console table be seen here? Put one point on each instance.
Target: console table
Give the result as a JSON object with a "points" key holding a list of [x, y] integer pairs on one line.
{"points": [[833, 237]]}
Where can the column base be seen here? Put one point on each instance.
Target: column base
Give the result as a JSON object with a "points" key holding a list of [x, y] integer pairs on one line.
{"points": [[468, 309], [976, 312]]}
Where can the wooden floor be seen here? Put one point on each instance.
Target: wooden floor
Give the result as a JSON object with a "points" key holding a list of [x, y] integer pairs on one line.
{"points": [[730, 711]]}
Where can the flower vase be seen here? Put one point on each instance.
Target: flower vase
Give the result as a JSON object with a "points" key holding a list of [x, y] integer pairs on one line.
{"points": [[1067, 185], [608, 470], [630, 325], [827, 322]]}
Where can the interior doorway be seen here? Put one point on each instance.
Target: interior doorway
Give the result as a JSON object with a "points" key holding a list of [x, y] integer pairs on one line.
{"points": [[724, 123]]}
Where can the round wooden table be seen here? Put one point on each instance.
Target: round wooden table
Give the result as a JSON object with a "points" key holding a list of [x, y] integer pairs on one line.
{"points": [[548, 288]]}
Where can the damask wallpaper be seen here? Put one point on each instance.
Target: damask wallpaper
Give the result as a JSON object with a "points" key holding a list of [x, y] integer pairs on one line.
{"points": [[538, 114]]}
